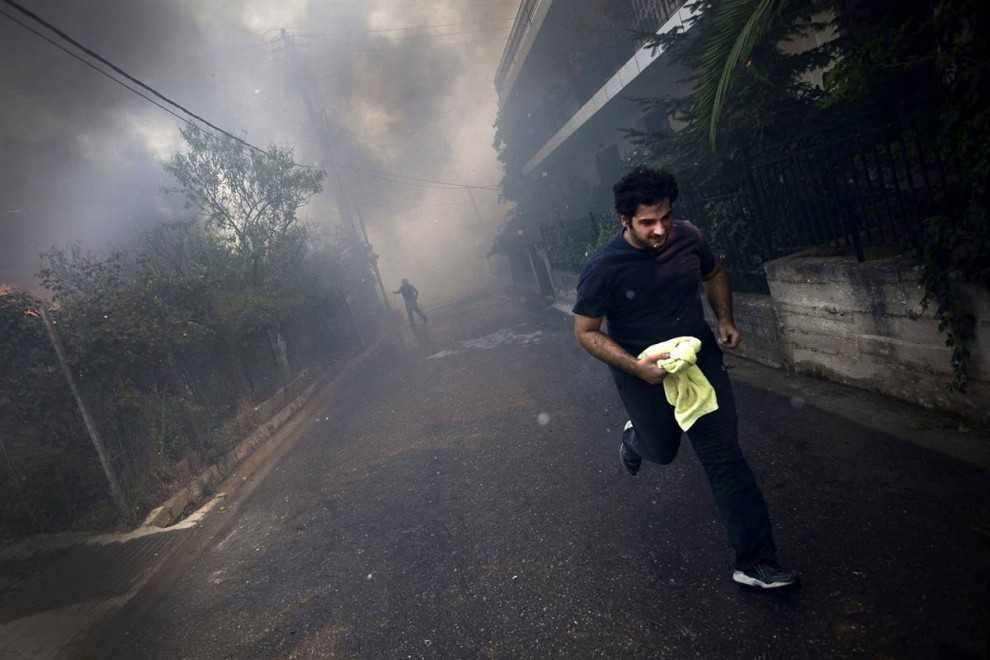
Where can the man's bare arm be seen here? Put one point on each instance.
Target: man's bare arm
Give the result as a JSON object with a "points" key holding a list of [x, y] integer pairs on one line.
{"points": [[719, 295], [588, 332]]}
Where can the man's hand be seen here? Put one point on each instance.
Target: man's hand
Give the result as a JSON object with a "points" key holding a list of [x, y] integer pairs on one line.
{"points": [[728, 334], [648, 369], [587, 330]]}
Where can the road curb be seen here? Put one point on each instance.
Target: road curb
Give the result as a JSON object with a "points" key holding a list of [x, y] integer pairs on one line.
{"points": [[204, 484], [931, 429], [934, 430]]}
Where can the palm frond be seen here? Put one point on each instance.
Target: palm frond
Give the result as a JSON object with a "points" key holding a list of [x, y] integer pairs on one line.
{"points": [[738, 25]]}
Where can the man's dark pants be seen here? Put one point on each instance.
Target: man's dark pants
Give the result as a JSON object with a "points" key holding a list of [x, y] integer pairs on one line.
{"points": [[413, 307], [715, 439]]}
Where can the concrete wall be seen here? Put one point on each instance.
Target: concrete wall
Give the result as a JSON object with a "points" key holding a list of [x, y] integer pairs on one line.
{"points": [[862, 324], [757, 321], [755, 318], [859, 324]]}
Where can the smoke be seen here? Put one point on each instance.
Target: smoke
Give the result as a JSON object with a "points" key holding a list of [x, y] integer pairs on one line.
{"points": [[82, 156]]}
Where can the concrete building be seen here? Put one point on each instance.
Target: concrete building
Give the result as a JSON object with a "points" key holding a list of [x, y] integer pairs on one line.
{"points": [[567, 84], [574, 70]]}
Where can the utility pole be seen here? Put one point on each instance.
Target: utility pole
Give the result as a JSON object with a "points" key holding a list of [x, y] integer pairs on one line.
{"points": [[372, 257], [94, 436], [481, 224], [321, 124]]}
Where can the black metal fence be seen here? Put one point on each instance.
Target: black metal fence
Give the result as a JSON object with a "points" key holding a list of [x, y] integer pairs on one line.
{"points": [[861, 191], [858, 194], [732, 226], [569, 243]]}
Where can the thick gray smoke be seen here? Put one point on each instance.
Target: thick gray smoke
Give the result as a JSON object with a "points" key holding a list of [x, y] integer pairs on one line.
{"points": [[81, 155]]}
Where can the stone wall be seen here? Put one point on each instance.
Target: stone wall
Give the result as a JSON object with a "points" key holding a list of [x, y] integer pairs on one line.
{"points": [[754, 314], [862, 324], [856, 323], [757, 322]]}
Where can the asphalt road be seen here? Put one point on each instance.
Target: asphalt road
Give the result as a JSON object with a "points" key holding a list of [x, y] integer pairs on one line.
{"points": [[472, 505]]}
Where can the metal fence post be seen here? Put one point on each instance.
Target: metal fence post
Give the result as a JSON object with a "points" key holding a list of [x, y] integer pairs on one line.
{"points": [[760, 218], [115, 491]]}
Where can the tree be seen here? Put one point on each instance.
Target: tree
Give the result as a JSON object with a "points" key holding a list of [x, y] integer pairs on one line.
{"points": [[739, 25], [248, 198], [747, 92], [171, 340], [925, 72]]}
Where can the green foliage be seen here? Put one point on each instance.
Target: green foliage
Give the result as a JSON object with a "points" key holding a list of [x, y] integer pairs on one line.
{"points": [[745, 87], [731, 233], [769, 101], [168, 340], [24, 352], [739, 25], [933, 67], [42, 460], [955, 252], [248, 199], [927, 69], [568, 248]]}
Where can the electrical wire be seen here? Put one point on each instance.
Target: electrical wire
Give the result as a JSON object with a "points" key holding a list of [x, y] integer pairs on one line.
{"points": [[117, 69], [91, 53], [91, 65]]}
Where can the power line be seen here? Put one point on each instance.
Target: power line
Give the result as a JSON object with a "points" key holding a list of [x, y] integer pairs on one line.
{"points": [[126, 75], [91, 65], [153, 91]]}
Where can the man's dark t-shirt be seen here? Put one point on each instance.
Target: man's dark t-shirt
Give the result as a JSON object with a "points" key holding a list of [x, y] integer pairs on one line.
{"points": [[649, 296], [409, 293]]}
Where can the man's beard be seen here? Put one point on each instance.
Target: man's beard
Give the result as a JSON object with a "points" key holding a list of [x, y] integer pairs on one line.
{"points": [[648, 243], [653, 243]]}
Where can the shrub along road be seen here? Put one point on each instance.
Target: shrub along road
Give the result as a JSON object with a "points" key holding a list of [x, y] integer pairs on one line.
{"points": [[471, 504]]}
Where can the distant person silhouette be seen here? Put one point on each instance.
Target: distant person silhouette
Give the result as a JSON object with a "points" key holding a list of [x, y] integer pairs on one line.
{"points": [[410, 295]]}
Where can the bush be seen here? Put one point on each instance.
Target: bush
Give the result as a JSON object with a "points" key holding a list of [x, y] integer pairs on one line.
{"points": [[172, 343]]}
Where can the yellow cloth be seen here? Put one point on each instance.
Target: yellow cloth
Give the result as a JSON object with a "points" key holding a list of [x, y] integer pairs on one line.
{"points": [[685, 385]]}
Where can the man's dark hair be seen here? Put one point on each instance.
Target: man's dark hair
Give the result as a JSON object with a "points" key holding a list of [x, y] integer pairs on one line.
{"points": [[643, 185]]}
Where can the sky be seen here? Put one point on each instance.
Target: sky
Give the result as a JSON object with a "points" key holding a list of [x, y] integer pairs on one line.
{"points": [[82, 156]]}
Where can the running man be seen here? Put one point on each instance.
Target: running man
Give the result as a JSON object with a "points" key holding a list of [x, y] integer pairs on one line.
{"points": [[410, 295], [645, 284]]}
